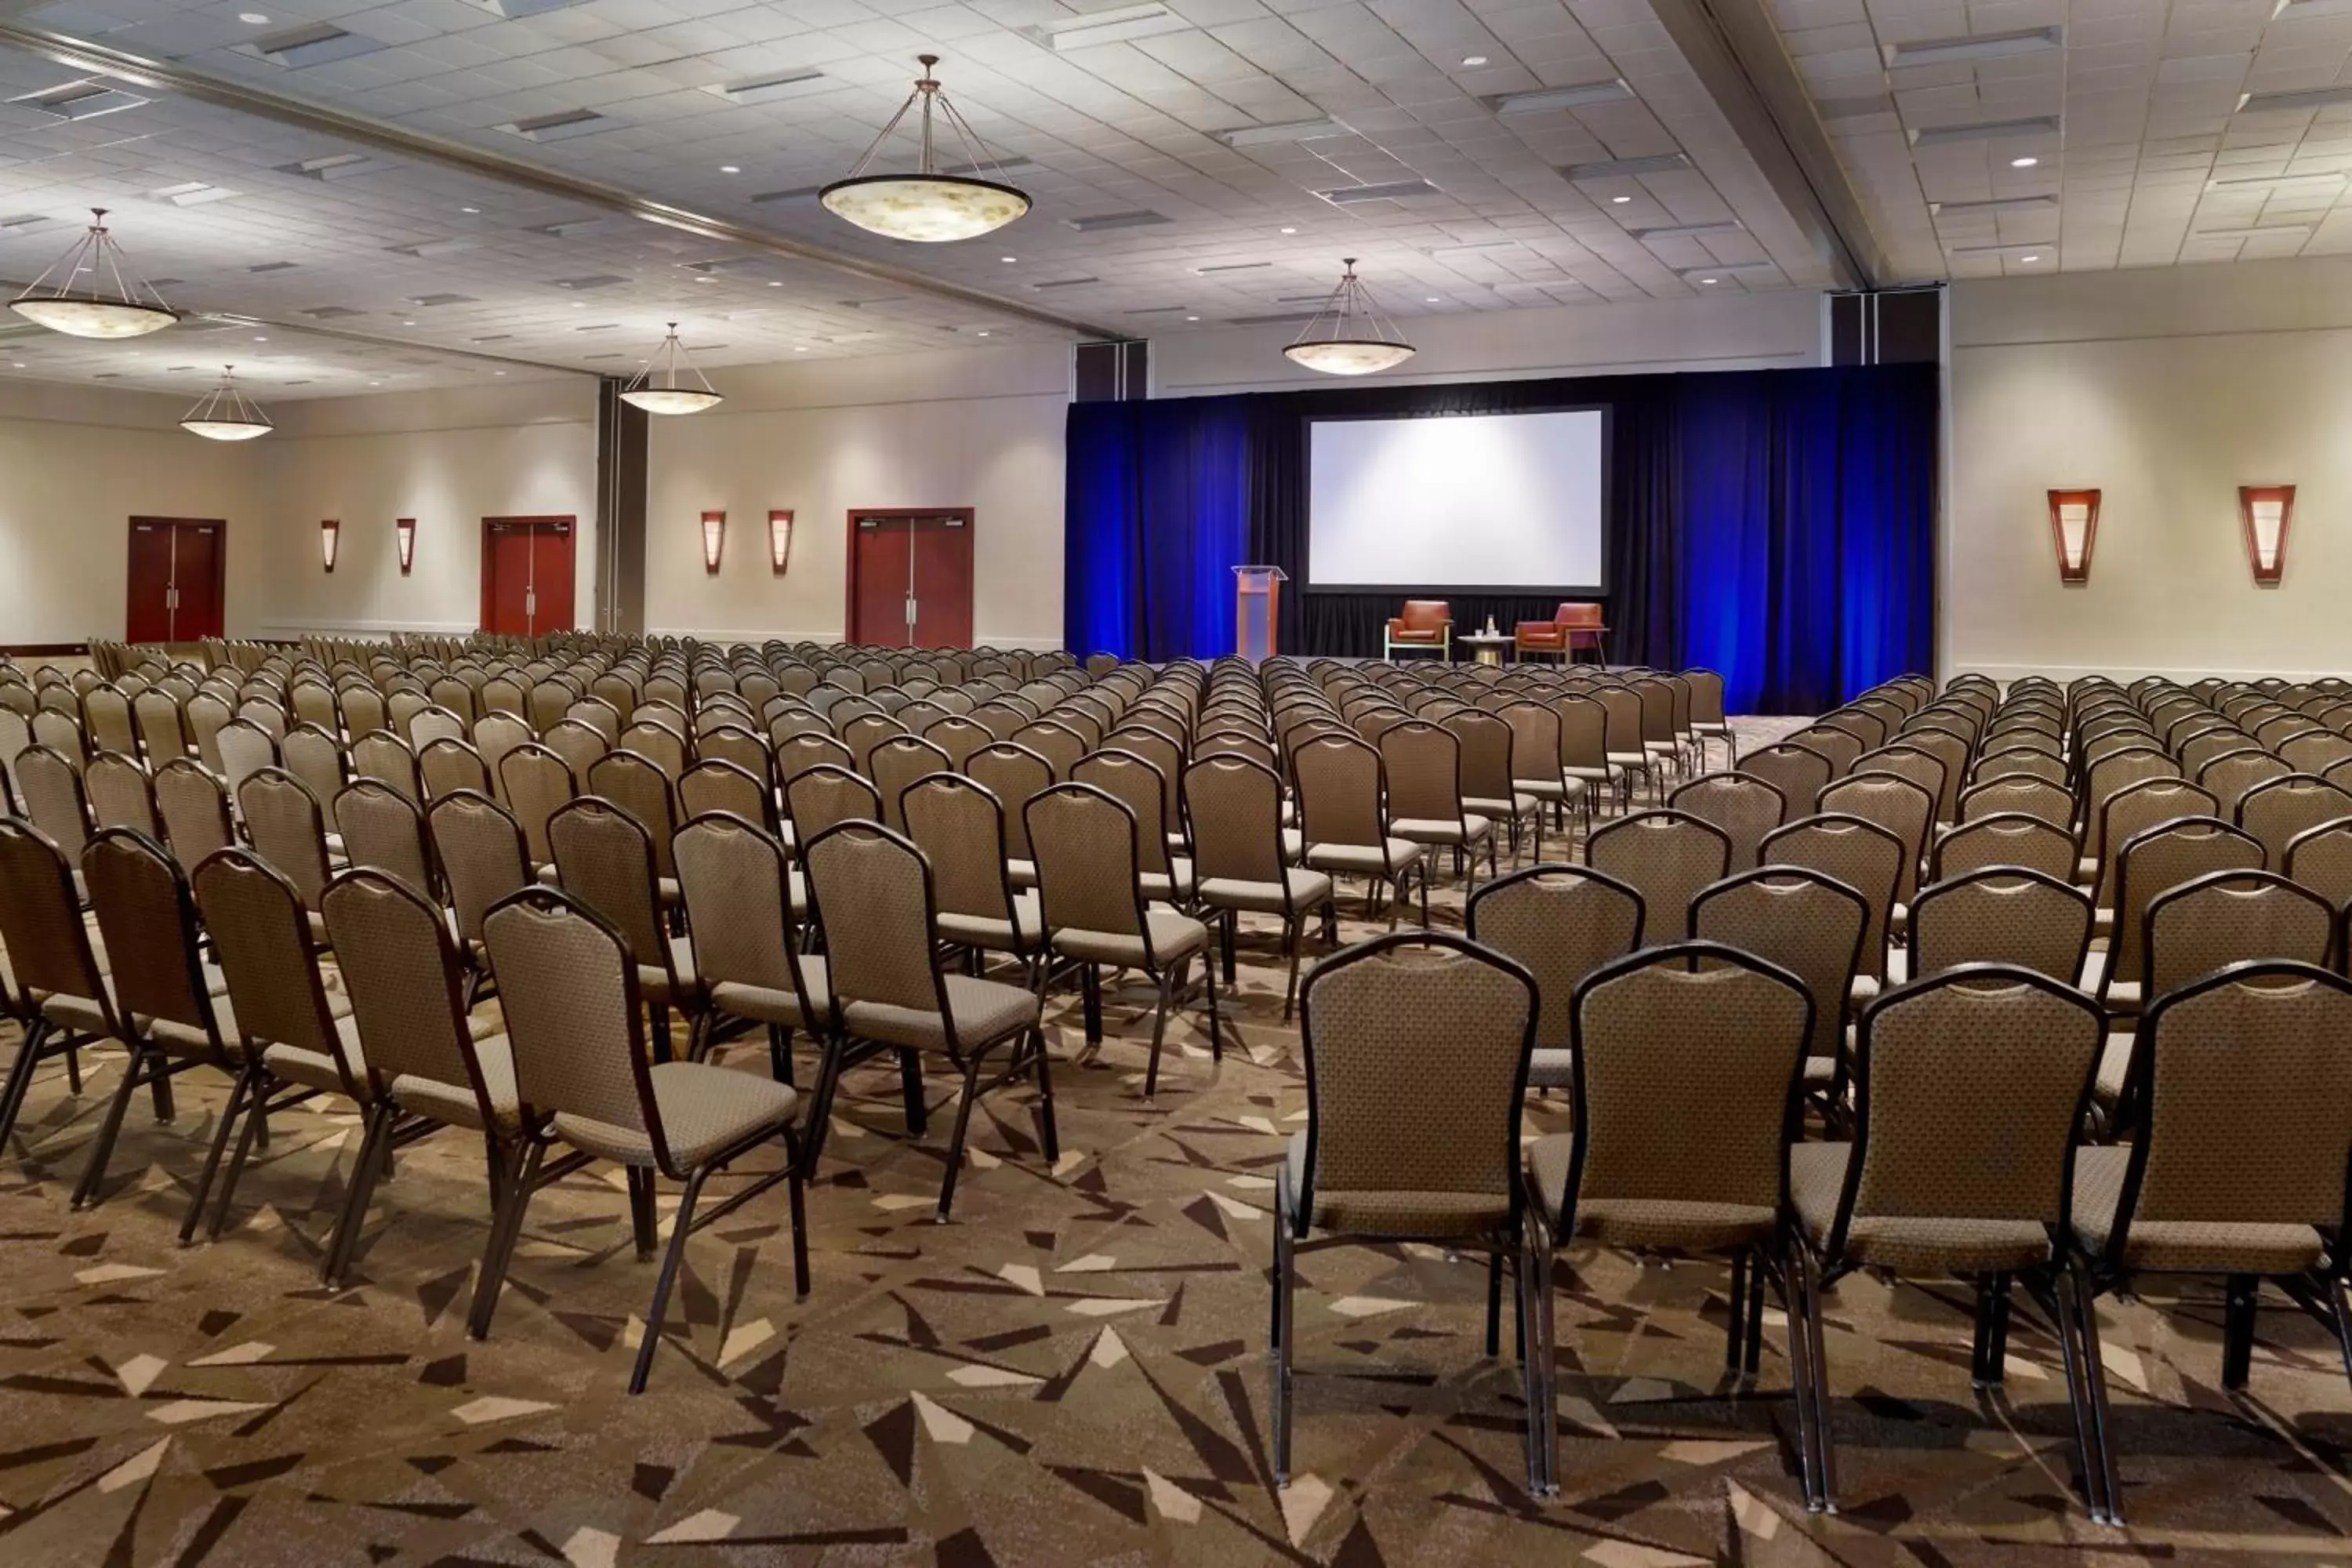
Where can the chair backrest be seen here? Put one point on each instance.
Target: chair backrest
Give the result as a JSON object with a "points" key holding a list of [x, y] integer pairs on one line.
{"points": [[448, 765], [378, 755], [1746, 808], [960, 827], [568, 991], [658, 745], [1423, 767], [870, 889], [1084, 841], [579, 746], [1862, 854], [2155, 861], [120, 794], [2320, 858], [1237, 811], [828, 794], [639, 787], [1424, 614], [2243, 1083], [604, 858], [1800, 919], [2231, 917], [383, 830], [734, 743], [483, 853], [1897, 804], [1560, 924], [1485, 743], [2110, 774], [1687, 1060], [536, 782], [2278, 809], [715, 783], [2024, 793], [41, 927], [896, 762], [1667, 857], [261, 937], [2001, 914], [1138, 783], [1797, 773], [1970, 1088], [1375, 1020], [1535, 743], [1838, 748], [2230, 779], [2005, 838], [732, 874], [430, 724], [288, 829], [147, 919], [1340, 781]]}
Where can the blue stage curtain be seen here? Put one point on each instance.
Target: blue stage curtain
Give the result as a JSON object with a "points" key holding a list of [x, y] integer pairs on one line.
{"points": [[1778, 526]]}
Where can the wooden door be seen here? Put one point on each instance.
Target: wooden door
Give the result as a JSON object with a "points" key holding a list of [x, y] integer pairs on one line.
{"points": [[941, 547], [527, 576], [177, 579], [911, 577]]}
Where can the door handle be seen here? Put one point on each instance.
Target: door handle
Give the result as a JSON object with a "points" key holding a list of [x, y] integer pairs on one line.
{"points": [[530, 601], [911, 609]]}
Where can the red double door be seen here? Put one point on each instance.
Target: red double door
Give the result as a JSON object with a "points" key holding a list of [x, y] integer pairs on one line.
{"points": [[910, 578], [527, 574], [178, 579]]}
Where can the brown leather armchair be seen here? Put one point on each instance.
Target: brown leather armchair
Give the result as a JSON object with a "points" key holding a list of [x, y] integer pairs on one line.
{"points": [[1570, 628], [1426, 623]]}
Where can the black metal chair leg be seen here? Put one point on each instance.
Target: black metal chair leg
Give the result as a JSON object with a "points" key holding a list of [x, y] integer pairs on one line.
{"points": [[670, 1260], [256, 1125], [780, 1052], [795, 1189], [828, 1080], [1734, 1338], [247, 1082], [1047, 1136], [1216, 1033], [93, 1174], [375, 1155], [2237, 1330], [505, 1226], [644, 1231], [962, 1126], [911, 1090], [1494, 1303], [1158, 1032], [20, 1076]]}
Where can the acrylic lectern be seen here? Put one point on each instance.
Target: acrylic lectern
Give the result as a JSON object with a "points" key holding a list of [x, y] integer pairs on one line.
{"points": [[1257, 610]]}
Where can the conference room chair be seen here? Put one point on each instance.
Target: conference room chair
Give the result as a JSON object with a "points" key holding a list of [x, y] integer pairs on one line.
{"points": [[106, 720], [2320, 858], [2133, 810], [2237, 1166], [736, 743], [161, 1006], [1344, 823], [2315, 752], [317, 758], [1014, 774], [2003, 838], [896, 762], [1090, 848], [1489, 788], [1235, 806], [2048, 799], [2150, 863], [959, 825], [1667, 857], [2230, 779], [1422, 767], [1834, 747], [744, 908], [605, 858], [161, 724], [1903, 808], [715, 784], [1970, 1089], [435, 723], [2006, 914], [1863, 856], [569, 993], [1538, 767], [120, 794], [286, 827], [485, 857], [534, 783], [2107, 777], [871, 890], [449, 765], [381, 829], [377, 755], [1864, 726], [1799, 774], [1810, 926], [580, 746], [52, 971], [659, 745], [1707, 719], [1685, 1062], [1623, 745], [640, 788], [1368, 1171], [1949, 750], [2278, 809], [1424, 625], [1745, 808], [193, 806], [1141, 784], [1559, 922]]}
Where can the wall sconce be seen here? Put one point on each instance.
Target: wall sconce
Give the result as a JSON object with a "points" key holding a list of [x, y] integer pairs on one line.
{"points": [[780, 541], [330, 538], [405, 534], [2266, 510], [714, 540], [2075, 528]]}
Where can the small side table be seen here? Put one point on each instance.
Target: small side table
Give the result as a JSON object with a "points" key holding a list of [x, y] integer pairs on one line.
{"points": [[1485, 648]]}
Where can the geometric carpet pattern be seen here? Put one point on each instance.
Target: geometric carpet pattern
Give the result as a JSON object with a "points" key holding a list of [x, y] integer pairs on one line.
{"points": [[1073, 1372]]}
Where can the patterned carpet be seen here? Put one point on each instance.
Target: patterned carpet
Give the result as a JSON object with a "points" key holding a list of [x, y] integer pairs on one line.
{"points": [[1074, 1371]]}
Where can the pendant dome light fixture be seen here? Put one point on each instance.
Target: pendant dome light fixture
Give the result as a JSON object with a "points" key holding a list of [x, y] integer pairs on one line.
{"points": [[930, 205], [656, 389], [226, 414], [87, 311], [1347, 335]]}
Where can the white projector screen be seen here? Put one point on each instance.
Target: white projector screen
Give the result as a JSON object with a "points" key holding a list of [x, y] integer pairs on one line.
{"points": [[1461, 501]]}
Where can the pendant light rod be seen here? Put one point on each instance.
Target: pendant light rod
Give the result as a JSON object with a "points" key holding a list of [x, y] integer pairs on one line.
{"points": [[105, 59]]}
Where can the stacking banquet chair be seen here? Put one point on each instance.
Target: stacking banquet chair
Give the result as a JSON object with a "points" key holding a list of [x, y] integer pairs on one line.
{"points": [[1144, 788], [1866, 858], [737, 892], [1799, 774], [871, 891], [1487, 787], [1746, 808], [1091, 891], [1686, 1062], [1560, 924], [1422, 765], [1970, 1089], [483, 859], [1367, 1169], [2001, 914], [1343, 814], [1235, 805], [1810, 925], [960, 827], [1539, 761], [714, 783], [1668, 856], [382, 829], [52, 976], [2150, 863], [120, 794], [287, 825], [568, 988], [2244, 1084], [606, 860], [2005, 838]]}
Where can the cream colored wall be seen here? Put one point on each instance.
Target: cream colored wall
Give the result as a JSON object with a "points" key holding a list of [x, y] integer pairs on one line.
{"points": [[2165, 390], [76, 464], [448, 459], [979, 428]]}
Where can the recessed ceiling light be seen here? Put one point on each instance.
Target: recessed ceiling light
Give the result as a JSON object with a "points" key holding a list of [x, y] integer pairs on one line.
{"points": [[1619, 201], [775, 282], [729, 169], [1709, 281], [800, 348], [982, 333], [1188, 318], [706, 280], [498, 373], [408, 323], [1012, 259], [1429, 300], [259, 339], [1290, 231], [469, 209], [2029, 259], [2024, 162], [578, 304], [253, 18], [375, 384], [1474, 59]]}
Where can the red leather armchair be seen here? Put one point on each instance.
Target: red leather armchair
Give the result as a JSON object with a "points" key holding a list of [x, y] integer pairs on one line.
{"points": [[1571, 627], [1426, 623]]}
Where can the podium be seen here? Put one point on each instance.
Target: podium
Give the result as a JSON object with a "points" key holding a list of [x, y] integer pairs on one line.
{"points": [[1257, 610]]}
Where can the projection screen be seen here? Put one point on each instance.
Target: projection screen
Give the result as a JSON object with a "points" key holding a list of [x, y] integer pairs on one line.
{"points": [[1466, 502]]}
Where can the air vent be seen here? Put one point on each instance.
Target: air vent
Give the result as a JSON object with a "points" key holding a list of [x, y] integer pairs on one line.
{"points": [[315, 45], [515, 10], [1293, 319], [1580, 95], [572, 226], [299, 381], [333, 166], [1995, 208], [271, 267], [1118, 26], [1222, 267], [1687, 230], [24, 223], [432, 247], [1626, 168], [587, 359], [593, 280], [1065, 282], [1160, 311], [1725, 268], [429, 301], [1101, 221], [1987, 130], [989, 171], [79, 100], [1272, 135], [797, 193], [1393, 191], [331, 312], [772, 89], [192, 194], [561, 127], [1976, 46], [491, 338], [598, 327], [1302, 298], [2295, 99]]}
